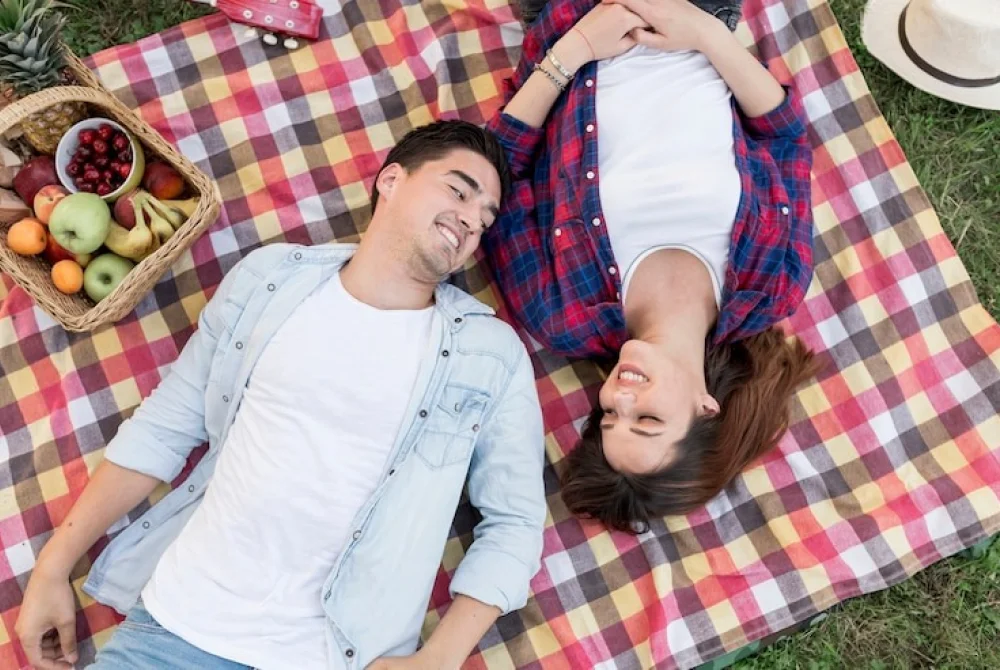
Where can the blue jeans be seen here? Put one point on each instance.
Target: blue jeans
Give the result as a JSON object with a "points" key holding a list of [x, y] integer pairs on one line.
{"points": [[140, 643]]}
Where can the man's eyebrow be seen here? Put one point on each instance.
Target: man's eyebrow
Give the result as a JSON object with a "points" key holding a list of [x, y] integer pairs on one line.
{"points": [[474, 185]]}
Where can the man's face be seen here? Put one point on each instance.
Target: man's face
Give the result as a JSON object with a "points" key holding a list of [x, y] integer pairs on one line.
{"points": [[440, 210]]}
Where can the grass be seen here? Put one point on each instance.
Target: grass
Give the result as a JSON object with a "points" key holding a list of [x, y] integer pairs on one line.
{"points": [[949, 615]]}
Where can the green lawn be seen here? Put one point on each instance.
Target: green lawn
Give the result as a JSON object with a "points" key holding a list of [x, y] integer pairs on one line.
{"points": [[949, 615]]}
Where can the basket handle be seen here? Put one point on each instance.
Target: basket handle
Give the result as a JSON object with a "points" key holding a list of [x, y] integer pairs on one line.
{"points": [[20, 109]]}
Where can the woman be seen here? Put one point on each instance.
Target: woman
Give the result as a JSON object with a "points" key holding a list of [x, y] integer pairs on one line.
{"points": [[661, 216]]}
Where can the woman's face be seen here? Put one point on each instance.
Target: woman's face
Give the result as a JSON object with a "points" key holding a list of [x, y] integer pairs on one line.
{"points": [[649, 402]]}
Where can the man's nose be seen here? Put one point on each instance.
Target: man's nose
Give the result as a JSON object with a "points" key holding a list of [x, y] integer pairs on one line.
{"points": [[624, 403]]}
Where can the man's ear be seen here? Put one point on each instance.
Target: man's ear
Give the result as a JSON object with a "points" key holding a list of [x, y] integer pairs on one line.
{"points": [[388, 178]]}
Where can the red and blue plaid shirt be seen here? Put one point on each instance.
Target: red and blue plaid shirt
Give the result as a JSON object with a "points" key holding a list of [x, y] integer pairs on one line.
{"points": [[550, 252]]}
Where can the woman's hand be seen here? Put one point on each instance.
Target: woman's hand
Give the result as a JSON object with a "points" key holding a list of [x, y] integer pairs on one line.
{"points": [[603, 32], [677, 25]]}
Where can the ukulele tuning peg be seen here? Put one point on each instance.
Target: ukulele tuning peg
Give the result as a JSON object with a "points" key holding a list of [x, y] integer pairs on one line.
{"points": [[291, 43], [271, 39]]}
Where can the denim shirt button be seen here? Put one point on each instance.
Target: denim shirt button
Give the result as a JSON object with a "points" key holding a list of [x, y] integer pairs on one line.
{"points": [[191, 488], [445, 353], [298, 255], [357, 535], [392, 472], [349, 653], [225, 398], [458, 319], [784, 210], [145, 525], [239, 345], [270, 287], [423, 414], [326, 596], [475, 428]]}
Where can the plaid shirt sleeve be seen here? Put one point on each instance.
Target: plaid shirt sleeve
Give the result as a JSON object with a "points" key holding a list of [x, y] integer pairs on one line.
{"points": [[778, 271]]}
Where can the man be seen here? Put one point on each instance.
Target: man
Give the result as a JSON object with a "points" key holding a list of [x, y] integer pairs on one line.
{"points": [[345, 393]]}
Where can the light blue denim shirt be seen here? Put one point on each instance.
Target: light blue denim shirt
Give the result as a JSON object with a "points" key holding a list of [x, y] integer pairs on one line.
{"points": [[474, 412]]}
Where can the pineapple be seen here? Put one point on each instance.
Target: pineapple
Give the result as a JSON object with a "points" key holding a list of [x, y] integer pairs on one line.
{"points": [[32, 58]]}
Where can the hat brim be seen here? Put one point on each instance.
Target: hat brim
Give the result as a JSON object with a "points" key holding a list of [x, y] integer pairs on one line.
{"points": [[880, 33]]}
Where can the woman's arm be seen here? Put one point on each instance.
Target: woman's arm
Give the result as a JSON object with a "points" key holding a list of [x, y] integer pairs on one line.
{"points": [[755, 89], [680, 25], [604, 32]]}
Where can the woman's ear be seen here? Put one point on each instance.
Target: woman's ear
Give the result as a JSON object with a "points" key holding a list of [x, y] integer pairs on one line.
{"points": [[388, 178], [708, 406]]}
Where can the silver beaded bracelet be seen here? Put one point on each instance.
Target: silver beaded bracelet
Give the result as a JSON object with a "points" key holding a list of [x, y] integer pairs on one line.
{"points": [[555, 80]]}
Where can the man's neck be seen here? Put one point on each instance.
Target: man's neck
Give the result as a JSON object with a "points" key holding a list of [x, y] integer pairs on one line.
{"points": [[672, 306], [375, 278]]}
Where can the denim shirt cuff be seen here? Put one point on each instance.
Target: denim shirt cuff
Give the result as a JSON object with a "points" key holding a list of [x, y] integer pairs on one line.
{"points": [[494, 577], [134, 449]]}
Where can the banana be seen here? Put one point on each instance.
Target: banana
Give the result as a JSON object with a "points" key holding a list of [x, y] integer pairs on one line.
{"points": [[162, 228], [173, 217], [133, 244], [185, 207]]}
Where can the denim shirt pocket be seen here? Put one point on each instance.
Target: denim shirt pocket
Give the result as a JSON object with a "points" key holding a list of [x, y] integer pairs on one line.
{"points": [[453, 426]]}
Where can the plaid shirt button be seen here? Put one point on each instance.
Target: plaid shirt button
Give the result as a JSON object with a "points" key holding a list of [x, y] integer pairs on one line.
{"points": [[784, 210], [596, 221], [612, 270], [590, 174], [590, 83], [590, 127], [557, 232]]}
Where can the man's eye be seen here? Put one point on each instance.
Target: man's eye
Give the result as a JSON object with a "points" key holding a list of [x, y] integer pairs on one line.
{"points": [[651, 418], [608, 412], [458, 194]]}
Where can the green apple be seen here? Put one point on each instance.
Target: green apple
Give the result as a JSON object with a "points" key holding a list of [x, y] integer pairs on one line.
{"points": [[103, 274], [80, 222]]}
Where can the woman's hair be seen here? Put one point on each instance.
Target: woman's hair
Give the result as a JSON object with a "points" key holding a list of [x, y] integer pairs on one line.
{"points": [[753, 381]]}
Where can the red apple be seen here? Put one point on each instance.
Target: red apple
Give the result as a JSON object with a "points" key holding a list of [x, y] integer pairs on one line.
{"points": [[54, 253], [125, 211], [162, 181], [35, 174]]}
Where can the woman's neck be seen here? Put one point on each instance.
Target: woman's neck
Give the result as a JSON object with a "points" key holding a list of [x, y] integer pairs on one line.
{"points": [[671, 304]]}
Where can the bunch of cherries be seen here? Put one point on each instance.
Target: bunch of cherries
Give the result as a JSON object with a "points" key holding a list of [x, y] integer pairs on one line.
{"points": [[102, 160]]}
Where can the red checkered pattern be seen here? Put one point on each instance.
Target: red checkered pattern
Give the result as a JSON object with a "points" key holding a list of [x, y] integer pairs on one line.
{"points": [[891, 460]]}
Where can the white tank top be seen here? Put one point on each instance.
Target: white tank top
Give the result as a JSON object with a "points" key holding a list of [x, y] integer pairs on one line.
{"points": [[668, 176]]}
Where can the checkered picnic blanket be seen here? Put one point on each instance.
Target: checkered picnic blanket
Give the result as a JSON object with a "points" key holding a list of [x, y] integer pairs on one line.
{"points": [[891, 459]]}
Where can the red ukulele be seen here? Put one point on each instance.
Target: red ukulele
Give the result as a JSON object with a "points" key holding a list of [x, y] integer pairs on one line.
{"points": [[287, 18]]}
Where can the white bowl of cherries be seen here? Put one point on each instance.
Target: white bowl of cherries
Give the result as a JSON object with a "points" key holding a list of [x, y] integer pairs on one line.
{"points": [[99, 156]]}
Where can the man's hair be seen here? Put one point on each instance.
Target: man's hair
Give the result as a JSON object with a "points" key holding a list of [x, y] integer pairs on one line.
{"points": [[435, 140], [753, 380]]}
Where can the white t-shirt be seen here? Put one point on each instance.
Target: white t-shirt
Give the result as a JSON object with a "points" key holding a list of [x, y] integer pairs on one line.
{"points": [[306, 450], [665, 154]]}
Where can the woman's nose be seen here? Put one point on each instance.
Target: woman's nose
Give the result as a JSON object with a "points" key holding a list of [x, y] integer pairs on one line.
{"points": [[624, 403]]}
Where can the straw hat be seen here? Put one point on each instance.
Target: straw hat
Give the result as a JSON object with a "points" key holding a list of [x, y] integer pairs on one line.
{"points": [[949, 48]]}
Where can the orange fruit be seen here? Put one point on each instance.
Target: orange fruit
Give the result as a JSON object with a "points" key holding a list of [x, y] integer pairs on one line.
{"points": [[27, 237], [67, 275]]}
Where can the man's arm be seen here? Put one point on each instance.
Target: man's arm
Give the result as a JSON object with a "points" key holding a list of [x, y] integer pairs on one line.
{"points": [[505, 485], [150, 447]]}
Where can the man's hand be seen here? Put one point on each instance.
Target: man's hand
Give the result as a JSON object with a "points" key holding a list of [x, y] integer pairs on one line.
{"points": [[46, 624], [414, 662], [677, 25]]}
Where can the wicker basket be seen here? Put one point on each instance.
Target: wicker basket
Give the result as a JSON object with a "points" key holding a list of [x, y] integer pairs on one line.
{"points": [[77, 312]]}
